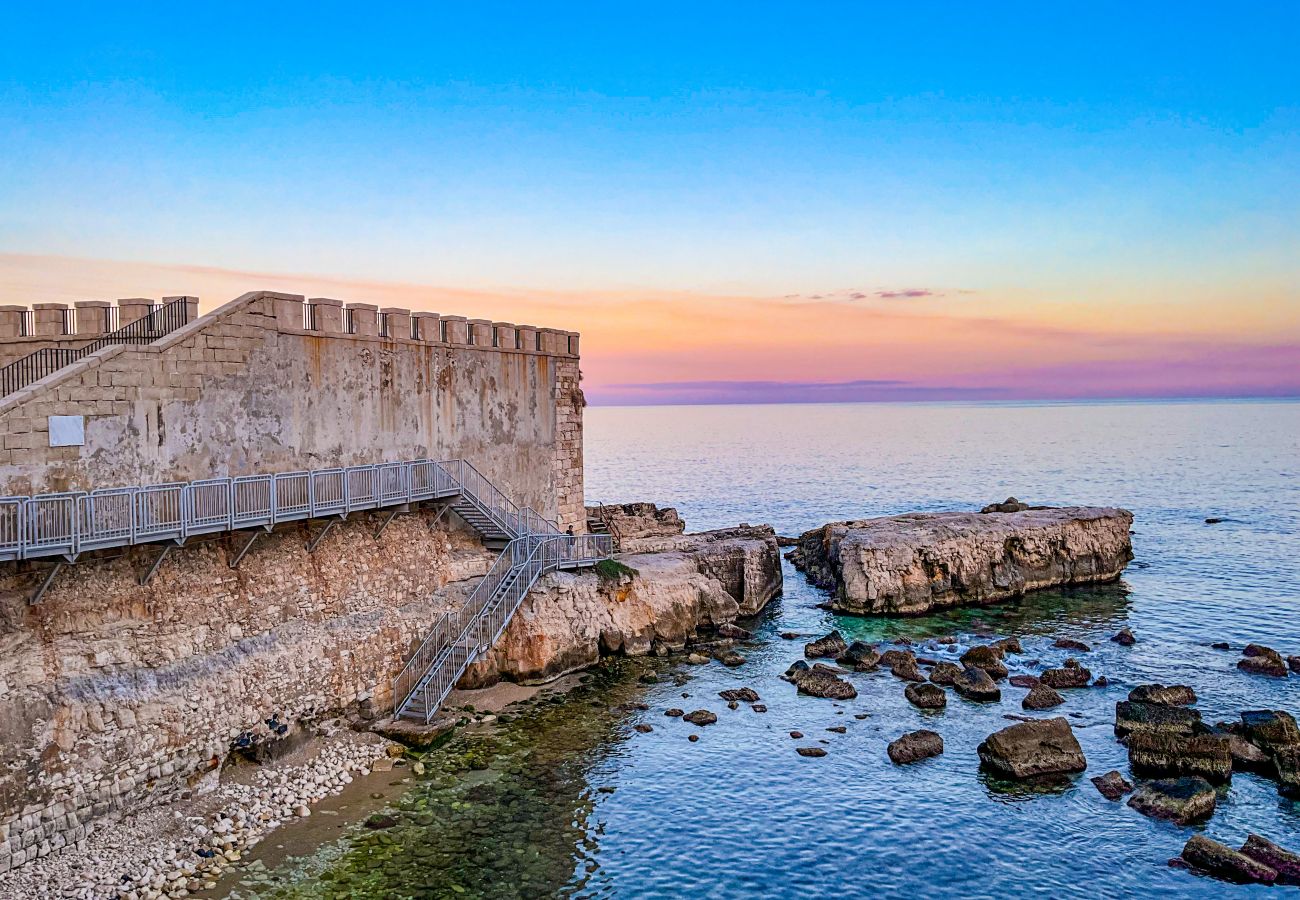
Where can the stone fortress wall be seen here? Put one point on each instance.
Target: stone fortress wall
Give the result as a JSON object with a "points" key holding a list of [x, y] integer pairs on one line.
{"points": [[114, 694], [251, 389]]}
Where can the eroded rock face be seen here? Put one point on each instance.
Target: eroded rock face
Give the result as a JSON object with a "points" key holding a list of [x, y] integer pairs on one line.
{"points": [[570, 619], [637, 526], [1131, 717], [1152, 754], [920, 562], [1033, 749]]}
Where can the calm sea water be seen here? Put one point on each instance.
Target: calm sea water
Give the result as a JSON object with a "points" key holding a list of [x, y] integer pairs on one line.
{"points": [[576, 802]]}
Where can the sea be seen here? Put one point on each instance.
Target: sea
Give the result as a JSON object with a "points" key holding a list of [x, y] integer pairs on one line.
{"points": [[572, 800]]}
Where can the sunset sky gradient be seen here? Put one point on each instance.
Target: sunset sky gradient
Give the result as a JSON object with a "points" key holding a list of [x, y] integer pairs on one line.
{"points": [[733, 203]]}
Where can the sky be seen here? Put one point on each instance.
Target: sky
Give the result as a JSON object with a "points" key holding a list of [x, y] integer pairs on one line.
{"points": [[732, 202]]}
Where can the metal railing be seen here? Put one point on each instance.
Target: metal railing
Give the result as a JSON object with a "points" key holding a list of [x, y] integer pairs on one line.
{"points": [[460, 636], [161, 320], [69, 523]]}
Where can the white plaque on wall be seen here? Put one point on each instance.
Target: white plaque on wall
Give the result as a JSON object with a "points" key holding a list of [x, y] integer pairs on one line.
{"points": [[67, 431]]}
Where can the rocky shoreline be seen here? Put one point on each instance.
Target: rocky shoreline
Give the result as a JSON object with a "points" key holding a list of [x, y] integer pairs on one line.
{"points": [[922, 562]]}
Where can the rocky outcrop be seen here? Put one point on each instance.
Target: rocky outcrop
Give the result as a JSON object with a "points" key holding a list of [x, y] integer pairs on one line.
{"points": [[1033, 749], [920, 562], [1260, 660], [1180, 800], [976, 684], [1041, 696], [926, 696], [1069, 676], [832, 644], [1172, 695], [1132, 716], [570, 619], [819, 681], [1279, 859], [637, 527]]}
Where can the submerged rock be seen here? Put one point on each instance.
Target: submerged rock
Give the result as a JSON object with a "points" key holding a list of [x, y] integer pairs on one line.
{"points": [[920, 562], [1173, 695], [1152, 754], [1124, 637], [926, 696], [976, 684], [1260, 660], [1224, 863], [1042, 697], [986, 658], [832, 644], [861, 656], [915, 746], [1071, 644], [1032, 749], [674, 713], [810, 751], [944, 673], [1181, 800], [1279, 859], [1112, 785], [1024, 681], [1131, 716]]}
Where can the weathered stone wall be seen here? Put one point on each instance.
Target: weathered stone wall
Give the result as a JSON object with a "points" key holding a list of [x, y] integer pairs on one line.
{"points": [[112, 693], [920, 562], [247, 389]]}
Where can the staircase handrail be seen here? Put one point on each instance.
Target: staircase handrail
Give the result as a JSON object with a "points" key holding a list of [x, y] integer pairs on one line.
{"points": [[158, 322]]}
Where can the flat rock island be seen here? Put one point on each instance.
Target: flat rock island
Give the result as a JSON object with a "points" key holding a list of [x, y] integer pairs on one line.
{"points": [[921, 562]]}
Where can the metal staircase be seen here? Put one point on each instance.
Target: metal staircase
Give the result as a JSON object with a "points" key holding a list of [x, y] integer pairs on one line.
{"points": [[536, 546]]}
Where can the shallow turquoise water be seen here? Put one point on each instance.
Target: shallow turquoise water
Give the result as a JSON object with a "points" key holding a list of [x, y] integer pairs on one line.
{"points": [[606, 811]]}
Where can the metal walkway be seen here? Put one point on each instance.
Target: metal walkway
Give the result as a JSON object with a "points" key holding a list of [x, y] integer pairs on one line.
{"points": [[64, 525]]}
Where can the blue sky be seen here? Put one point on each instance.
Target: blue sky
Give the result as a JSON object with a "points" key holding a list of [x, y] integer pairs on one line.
{"points": [[1065, 164]]}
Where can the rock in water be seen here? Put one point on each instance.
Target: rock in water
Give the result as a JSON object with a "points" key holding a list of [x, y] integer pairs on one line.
{"points": [[821, 681], [926, 696], [743, 695], [915, 746], [1156, 755], [1280, 860], [1031, 749], [906, 669], [810, 751], [1225, 863], [1069, 677], [986, 658], [700, 717], [1270, 729], [944, 673], [1112, 785], [828, 645], [1181, 800], [861, 656], [1174, 695], [674, 713], [1124, 637], [1260, 660], [976, 684], [1007, 645], [1071, 644], [1025, 681], [1131, 717], [1041, 696], [921, 562], [1294, 663]]}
